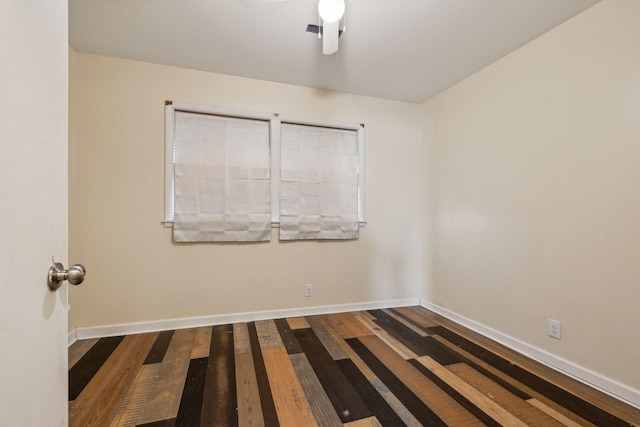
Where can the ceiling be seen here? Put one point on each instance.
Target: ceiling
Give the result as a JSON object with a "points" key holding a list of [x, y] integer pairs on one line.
{"points": [[407, 50]]}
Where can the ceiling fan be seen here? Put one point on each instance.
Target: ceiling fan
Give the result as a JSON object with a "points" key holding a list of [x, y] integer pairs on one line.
{"points": [[330, 11]]}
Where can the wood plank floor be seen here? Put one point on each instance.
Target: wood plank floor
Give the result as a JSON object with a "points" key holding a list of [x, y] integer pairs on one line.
{"points": [[395, 367]]}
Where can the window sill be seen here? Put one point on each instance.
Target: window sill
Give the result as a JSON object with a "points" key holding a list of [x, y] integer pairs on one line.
{"points": [[169, 224]]}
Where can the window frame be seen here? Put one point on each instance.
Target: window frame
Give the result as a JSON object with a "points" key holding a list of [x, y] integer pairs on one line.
{"points": [[275, 120]]}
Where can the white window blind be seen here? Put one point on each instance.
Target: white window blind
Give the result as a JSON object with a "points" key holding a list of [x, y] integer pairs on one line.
{"points": [[318, 183], [221, 179]]}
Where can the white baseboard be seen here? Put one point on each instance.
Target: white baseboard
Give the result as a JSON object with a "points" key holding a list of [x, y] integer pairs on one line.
{"points": [[224, 319], [607, 385], [73, 337]]}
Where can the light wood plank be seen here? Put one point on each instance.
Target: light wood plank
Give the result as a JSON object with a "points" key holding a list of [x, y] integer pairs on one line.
{"points": [[340, 339], [365, 314], [201, 343], [297, 323], [337, 326], [291, 406], [396, 345], [514, 382], [481, 400], [614, 406], [353, 325], [129, 411], [100, 399], [321, 406], [249, 406], [513, 405], [365, 422], [334, 349], [164, 399], [241, 342], [79, 349], [553, 413], [268, 334], [449, 410]]}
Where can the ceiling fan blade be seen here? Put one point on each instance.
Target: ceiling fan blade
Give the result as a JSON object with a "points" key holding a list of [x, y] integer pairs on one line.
{"points": [[258, 2], [330, 33]]}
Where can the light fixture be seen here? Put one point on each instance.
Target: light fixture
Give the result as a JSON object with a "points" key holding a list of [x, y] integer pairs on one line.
{"points": [[331, 10]]}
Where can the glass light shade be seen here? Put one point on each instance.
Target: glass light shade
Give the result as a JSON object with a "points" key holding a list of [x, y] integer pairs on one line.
{"points": [[331, 10]]}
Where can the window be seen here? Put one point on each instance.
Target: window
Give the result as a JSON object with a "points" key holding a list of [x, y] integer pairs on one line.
{"points": [[318, 183], [221, 179], [231, 176]]}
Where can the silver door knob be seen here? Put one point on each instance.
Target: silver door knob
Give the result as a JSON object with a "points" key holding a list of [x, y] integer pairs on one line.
{"points": [[57, 275]]}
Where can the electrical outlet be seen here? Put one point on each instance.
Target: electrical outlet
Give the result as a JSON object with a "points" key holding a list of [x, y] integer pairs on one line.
{"points": [[308, 290], [554, 328]]}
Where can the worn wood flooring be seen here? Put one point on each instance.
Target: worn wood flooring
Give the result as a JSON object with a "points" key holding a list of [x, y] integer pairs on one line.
{"points": [[394, 367]]}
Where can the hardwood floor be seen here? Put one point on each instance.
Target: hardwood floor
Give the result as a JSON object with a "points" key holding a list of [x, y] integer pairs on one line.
{"points": [[395, 367]]}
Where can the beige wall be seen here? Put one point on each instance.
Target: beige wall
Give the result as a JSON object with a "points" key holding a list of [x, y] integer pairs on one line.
{"points": [[537, 192], [135, 273]]}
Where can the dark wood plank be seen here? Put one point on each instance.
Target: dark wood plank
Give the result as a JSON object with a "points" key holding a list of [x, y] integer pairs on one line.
{"points": [[190, 412], [89, 364], [163, 423], [418, 316], [408, 398], [393, 401], [341, 393], [407, 322], [220, 386], [570, 401], [420, 345], [365, 422], [159, 349], [447, 409], [101, 398], [369, 395], [79, 349], [288, 338], [264, 388], [337, 329]]}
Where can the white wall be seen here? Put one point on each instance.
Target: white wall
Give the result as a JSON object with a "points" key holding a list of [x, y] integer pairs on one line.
{"points": [[135, 273], [537, 193]]}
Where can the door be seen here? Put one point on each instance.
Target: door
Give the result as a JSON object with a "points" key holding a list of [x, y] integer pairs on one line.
{"points": [[33, 211]]}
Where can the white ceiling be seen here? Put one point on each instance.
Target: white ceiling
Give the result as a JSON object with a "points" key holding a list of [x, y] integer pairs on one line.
{"points": [[406, 50]]}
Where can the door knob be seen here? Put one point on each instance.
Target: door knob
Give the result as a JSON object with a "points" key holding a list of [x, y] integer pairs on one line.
{"points": [[57, 275]]}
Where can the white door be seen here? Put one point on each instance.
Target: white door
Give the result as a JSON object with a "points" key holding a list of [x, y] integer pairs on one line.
{"points": [[33, 211]]}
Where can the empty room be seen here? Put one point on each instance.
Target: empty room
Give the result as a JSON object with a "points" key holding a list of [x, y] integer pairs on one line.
{"points": [[277, 213]]}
